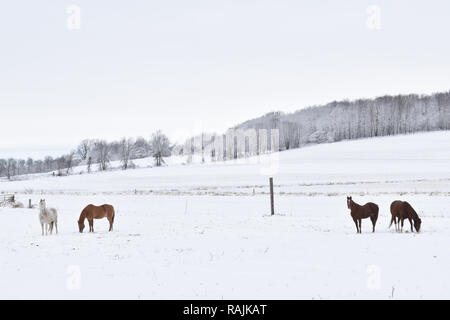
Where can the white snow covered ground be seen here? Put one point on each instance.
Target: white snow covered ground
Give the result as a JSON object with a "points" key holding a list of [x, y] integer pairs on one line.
{"points": [[202, 231]]}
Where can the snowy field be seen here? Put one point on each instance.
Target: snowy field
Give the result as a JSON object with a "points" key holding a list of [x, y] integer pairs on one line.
{"points": [[202, 231]]}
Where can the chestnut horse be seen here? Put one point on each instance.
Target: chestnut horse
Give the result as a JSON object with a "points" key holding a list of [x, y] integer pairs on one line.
{"points": [[369, 210], [92, 212], [401, 210]]}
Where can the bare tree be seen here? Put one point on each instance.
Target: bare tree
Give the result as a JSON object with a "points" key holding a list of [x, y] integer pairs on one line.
{"points": [[3, 165], [48, 162], [30, 164], [83, 149], [102, 152], [60, 164], [11, 168], [142, 148], [126, 151], [21, 166], [114, 151], [161, 148], [89, 164], [69, 161], [38, 166], [204, 143]]}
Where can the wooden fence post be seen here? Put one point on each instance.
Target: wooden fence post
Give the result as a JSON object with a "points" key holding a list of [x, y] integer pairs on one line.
{"points": [[272, 205]]}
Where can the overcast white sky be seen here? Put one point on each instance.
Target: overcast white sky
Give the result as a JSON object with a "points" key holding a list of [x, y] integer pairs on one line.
{"points": [[176, 65]]}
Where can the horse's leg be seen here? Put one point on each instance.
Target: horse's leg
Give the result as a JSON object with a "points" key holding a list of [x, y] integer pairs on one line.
{"points": [[403, 221], [410, 222], [91, 225], [360, 225], [110, 224], [56, 226], [356, 224], [42, 227], [50, 227]]}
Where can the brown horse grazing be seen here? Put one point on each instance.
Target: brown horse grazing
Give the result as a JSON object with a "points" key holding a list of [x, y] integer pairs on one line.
{"points": [[401, 210], [369, 210], [92, 212]]}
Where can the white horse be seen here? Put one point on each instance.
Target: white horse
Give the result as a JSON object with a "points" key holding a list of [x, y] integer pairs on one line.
{"points": [[48, 218]]}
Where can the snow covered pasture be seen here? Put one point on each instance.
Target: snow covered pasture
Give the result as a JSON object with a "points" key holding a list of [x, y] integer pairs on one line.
{"points": [[203, 231]]}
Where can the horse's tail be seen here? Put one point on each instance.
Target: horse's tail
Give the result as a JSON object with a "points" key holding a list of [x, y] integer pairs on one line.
{"points": [[113, 214], [375, 211], [394, 210]]}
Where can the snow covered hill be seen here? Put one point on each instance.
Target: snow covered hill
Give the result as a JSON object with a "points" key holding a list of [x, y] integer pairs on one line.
{"points": [[409, 163], [202, 231]]}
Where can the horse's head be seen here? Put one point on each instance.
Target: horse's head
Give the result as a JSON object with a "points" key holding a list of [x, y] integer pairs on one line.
{"points": [[81, 226], [417, 224], [42, 204], [349, 202]]}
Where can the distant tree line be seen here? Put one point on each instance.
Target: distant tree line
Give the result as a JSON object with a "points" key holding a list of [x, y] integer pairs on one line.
{"points": [[364, 118], [91, 153], [336, 121]]}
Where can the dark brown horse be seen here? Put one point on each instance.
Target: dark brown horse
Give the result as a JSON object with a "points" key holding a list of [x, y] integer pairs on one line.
{"points": [[92, 212], [401, 210], [369, 210]]}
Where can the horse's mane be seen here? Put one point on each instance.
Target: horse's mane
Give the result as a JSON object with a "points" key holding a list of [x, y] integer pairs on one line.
{"points": [[355, 204], [83, 213]]}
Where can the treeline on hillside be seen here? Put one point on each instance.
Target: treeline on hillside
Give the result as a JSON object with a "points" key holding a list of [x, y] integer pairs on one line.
{"points": [[336, 121], [94, 154]]}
